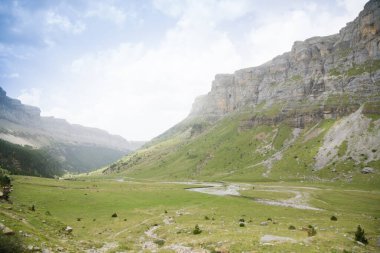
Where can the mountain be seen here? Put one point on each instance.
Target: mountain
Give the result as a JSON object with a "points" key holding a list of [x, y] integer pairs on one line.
{"points": [[311, 114], [79, 148]]}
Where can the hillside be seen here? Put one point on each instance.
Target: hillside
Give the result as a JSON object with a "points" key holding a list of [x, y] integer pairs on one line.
{"points": [[308, 114], [79, 148], [28, 161]]}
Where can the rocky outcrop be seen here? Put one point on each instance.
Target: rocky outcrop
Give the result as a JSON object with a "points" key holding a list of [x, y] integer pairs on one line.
{"points": [[314, 70]]}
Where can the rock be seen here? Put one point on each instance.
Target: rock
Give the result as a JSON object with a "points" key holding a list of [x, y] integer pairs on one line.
{"points": [[360, 243], [2, 226], [264, 223], [221, 250], [378, 242], [68, 229], [8, 231], [276, 239], [367, 170], [36, 249]]}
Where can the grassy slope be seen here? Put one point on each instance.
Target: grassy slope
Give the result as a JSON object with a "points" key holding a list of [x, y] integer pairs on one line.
{"points": [[143, 204], [229, 151]]}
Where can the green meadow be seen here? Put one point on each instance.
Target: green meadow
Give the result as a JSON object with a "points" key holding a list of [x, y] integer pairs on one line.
{"points": [[155, 216]]}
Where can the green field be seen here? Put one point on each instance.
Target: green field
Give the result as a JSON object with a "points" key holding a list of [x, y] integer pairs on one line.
{"points": [[159, 216]]}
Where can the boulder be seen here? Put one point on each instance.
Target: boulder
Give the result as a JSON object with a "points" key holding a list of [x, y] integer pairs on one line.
{"points": [[68, 229], [8, 231], [367, 170]]}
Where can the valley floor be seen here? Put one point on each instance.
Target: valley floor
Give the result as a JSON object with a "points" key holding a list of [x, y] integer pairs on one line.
{"points": [[161, 216]]}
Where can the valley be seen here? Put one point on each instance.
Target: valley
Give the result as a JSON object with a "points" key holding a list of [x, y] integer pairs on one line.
{"points": [[280, 157], [154, 216]]}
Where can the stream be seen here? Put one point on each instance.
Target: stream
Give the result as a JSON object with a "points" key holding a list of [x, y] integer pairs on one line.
{"points": [[299, 201]]}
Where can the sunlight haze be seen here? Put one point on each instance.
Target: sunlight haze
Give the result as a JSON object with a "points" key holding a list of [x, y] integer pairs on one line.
{"points": [[134, 68]]}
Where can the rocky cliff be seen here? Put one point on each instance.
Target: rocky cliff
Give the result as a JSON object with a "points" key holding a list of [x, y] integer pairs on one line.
{"points": [[314, 70], [82, 148]]}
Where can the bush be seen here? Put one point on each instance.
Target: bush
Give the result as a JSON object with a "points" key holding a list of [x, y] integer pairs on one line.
{"points": [[311, 231], [241, 220], [197, 230], [159, 242], [360, 235], [291, 227], [114, 215], [206, 217], [333, 218], [241, 224], [10, 244]]}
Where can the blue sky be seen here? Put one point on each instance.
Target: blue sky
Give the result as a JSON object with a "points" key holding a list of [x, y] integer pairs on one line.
{"points": [[134, 68]]}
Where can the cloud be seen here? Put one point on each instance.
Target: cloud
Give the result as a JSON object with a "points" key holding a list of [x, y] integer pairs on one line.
{"points": [[107, 12], [55, 20], [30, 96], [278, 31], [10, 75]]}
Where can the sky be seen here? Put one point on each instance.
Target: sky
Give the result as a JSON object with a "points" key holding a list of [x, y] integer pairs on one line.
{"points": [[134, 67]]}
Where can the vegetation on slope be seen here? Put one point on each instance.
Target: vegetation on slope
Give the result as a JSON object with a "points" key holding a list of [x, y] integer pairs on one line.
{"points": [[82, 158], [24, 160], [257, 145]]}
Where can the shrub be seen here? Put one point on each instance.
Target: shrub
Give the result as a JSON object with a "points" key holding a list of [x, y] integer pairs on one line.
{"points": [[206, 217], [311, 231], [241, 220], [242, 224], [333, 218], [10, 244], [114, 215], [360, 235], [291, 227], [197, 230], [159, 242]]}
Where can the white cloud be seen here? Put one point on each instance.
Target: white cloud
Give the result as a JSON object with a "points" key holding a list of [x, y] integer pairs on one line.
{"points": [[30, 96], [54, 19], [107, 12], [278, 31], [141, 92], [10, 75], [352, 6]]}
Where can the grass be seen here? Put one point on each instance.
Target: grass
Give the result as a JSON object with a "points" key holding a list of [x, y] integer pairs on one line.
{"points": [[142, 204]]}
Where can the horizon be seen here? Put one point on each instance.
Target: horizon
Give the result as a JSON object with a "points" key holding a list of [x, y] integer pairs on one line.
{"points": [[151, 57]]}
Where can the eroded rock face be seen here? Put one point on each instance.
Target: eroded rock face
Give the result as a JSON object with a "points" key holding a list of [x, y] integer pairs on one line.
{"points": [[347, 62]]}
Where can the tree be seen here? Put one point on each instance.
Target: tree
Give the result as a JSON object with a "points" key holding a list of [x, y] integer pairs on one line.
{"points": [[197, 230], [5, 184], [360, 235]]}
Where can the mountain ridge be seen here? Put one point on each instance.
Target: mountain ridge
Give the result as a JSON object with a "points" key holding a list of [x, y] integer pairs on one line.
{"points": [[312, 68], [283, 120], [81, 148]]}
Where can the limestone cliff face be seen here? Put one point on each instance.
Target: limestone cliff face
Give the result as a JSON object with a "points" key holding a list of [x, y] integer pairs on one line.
{"points": [[314, 69]]}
